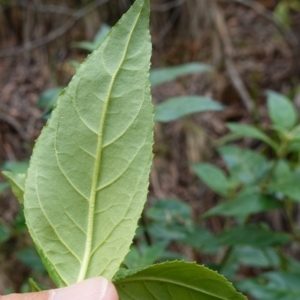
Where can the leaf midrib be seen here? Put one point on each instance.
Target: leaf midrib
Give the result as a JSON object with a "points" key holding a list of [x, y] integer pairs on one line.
{"points": [[93, 195]]}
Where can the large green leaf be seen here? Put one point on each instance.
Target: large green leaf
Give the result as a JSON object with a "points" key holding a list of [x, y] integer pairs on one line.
{"points": [[17, 182], [178, 107], [282, 111], [88, 176], [158, 76], [174, 281]]}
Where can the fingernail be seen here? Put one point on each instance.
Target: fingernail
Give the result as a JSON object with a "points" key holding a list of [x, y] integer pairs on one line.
{"points": [[91, 289]]}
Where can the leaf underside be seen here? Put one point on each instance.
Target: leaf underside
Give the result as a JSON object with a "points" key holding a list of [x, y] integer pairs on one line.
{"points": [[174, 281], [88, 176]]}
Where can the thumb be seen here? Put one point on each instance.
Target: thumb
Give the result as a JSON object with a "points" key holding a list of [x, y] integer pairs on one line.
{"points": [[97, 288]]}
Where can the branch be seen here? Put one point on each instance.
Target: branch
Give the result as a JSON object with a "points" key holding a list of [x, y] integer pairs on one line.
{"points": [[61, 10], [230, 66], [167, 27], [167, 6], [55, 33]]}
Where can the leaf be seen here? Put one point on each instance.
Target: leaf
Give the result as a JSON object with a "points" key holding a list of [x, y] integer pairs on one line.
{"points": [[243, 130], [252, 235], [167, 232], [34, 286], [30, 258], [162, 75], [281, 110], [248, 202], [17, 182], [89, 173], [171, 220], [49, 97], [170, 210], [148, 256], [212, 176], [3, 186], [285, 181], [15, 167], [203, 240], [178, 107], [248, 167], [91, 46], [255, 257], [4, 233], [174, 281], [272, 286]]}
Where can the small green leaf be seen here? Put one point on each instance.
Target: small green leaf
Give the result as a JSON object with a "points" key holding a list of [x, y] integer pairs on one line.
{"points": [[3, 186], [282, 111], [158, 76], [245, 166], [178, 107], [89, 172], [202, 240], [272, 286], [91, 46], [255, 257], [254, 236], [34, 286], [15, 167], [170, 219], [147, 256], [30, 258], [167, 232], [247, 203], [174, 281], [212, 176], [285, 181], [4, 233], [244, 130], [49, 97], [17, 183], [170, 210]]}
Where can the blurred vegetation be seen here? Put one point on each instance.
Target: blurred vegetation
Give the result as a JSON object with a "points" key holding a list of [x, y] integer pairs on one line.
{"points": [[225, 186]]}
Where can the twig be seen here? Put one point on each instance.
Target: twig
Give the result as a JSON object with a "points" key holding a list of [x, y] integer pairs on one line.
{"points": [[167, 6], [53, 34], [167, 27], [13, 123], [260, 10], [230, 66], [61, 10]]}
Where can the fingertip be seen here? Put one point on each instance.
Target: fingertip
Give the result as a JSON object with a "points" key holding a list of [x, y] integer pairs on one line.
{"points": [[97, 288]]}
